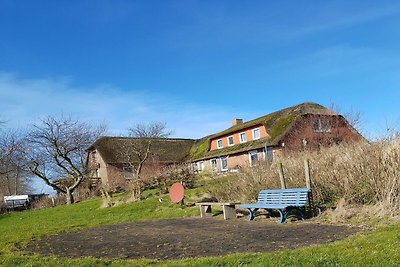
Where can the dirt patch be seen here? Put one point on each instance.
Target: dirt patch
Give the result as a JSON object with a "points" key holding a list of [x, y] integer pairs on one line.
{"points": [[187, 238]]}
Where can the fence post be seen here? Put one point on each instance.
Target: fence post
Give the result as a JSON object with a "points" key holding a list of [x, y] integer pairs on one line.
{"points": [[312, 208], [307, 173], [282, 176]]}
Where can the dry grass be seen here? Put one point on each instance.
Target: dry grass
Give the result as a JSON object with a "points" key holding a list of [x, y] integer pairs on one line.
{"points": [[361, 174]]}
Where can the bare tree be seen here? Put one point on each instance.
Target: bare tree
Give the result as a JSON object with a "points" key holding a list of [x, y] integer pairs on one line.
{"points": [[138, 152], [151, 130], [57, 152], [2, 122], [354, 117], [13, 176]]}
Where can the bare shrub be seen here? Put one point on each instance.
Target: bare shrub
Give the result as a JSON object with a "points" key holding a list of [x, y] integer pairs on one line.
{"points": [[360, 173], [48, 202], [245, 186], [171, 174], [43, 203]]}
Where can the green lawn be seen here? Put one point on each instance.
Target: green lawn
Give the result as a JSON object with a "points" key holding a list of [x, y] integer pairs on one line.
{"points": [[379, 248]]}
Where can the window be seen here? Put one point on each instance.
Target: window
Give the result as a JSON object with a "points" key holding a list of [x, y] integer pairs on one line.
{"points": [[128, 172], [253, 157], [230, 141], [256, 133], [94, 156], [200, 166], [224, 164], [268, 153], [322, 126], [219, 143], [242, 137], [214, 166]]}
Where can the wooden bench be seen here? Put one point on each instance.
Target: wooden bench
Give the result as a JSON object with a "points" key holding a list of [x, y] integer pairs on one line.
{"points": [[281, 200], [227, 208]]}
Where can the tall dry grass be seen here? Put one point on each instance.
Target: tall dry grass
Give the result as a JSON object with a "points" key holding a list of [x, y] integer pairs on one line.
{"points": [[358, 174]]}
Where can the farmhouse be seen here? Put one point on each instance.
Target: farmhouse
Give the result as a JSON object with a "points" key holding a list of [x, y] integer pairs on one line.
{"points": [[307, 126], [112, 160]]}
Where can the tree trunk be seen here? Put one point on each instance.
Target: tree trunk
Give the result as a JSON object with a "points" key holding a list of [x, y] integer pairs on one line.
{"points": [[8, 185], [69, 196], [107, 202]]}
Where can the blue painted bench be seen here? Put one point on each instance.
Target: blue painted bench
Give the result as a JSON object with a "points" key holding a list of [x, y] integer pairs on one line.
{"points": [[281, 200]]}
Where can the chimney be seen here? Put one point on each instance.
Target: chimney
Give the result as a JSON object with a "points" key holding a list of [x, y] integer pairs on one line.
{"points": [[237, 122]]}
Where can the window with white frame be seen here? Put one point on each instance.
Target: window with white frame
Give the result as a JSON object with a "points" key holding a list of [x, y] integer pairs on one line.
{"points": [[256, 133], [214, 166], [224, 163], [219, 143], [230, 140], [268, 153], [200, 166], [253, 157], [242, 137]]}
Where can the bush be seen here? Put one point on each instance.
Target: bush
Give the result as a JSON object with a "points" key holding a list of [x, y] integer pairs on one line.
{"points": [[172, 174], [359, 173]]}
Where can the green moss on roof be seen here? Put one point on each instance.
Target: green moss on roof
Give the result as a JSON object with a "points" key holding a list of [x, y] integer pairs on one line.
{"points": [[199, 148], [279, 127], [235, 149]]}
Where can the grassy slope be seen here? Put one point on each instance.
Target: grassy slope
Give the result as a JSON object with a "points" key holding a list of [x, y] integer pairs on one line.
{"points": [[379, 248]]}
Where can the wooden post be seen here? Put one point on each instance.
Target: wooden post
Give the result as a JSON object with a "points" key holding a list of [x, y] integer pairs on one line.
{"points": [[282, 176], [311, 206], [307, 173]]}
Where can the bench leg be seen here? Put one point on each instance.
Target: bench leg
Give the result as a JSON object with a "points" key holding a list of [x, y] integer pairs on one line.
{"points": [[297, 212], [205, 210], [251, 214], [229, 212], [282, 217]]}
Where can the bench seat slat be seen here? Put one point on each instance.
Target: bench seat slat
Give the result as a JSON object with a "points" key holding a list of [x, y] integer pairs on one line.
{"points": [[271, 206]]}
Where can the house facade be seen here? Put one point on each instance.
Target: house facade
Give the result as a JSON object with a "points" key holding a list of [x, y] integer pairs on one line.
{"points": [[307, 126]]}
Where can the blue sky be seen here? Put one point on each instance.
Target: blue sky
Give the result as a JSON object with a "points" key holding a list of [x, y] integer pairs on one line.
{"points": [[196, 65]]}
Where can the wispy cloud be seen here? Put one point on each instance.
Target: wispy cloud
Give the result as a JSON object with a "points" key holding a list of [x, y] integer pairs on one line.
{"points": [[339, 60], [223, 25], [25, 101], [342, 16]]}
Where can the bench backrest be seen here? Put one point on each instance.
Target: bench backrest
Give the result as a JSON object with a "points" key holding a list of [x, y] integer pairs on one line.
{"points": [[288, 197]]}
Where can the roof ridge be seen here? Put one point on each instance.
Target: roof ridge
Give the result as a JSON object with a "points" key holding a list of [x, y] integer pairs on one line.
{"points": [[154, 138]]}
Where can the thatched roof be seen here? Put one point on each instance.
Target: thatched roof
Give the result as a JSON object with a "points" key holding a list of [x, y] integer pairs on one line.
{"points": [[277, 125], [116, 150]]}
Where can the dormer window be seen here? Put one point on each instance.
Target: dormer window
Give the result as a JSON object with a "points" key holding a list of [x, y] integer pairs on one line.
{"points": [[219, 144], [256, 134], [230, 140], [242, 137]]}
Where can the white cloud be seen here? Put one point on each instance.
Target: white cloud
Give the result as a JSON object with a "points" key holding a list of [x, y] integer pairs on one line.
{"points": [[263, 24], [25, 101]]}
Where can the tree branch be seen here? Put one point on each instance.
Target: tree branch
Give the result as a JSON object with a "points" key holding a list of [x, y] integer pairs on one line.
{"points": [[35, 170]]}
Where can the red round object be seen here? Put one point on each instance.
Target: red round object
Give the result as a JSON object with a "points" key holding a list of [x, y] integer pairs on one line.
{"points": [[176, 192]]}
